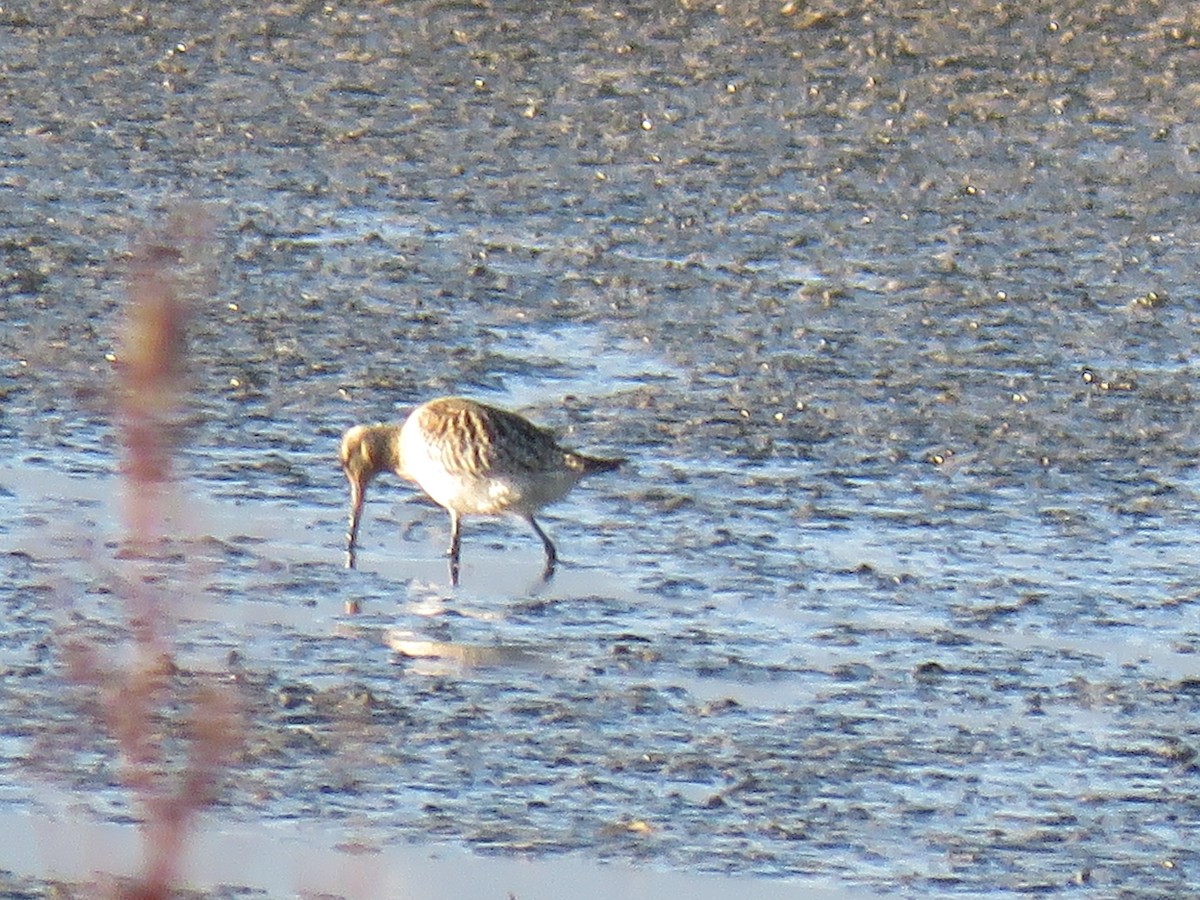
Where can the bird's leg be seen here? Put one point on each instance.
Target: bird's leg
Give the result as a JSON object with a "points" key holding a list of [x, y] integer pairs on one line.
{"points": [[551, 553], [455, 545]]}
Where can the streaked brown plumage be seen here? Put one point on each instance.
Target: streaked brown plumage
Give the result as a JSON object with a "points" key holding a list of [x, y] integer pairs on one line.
{"points": [[471, 459]]}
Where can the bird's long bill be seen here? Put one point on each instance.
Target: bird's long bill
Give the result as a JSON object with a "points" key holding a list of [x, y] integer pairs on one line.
{"points": [[358, 493]]}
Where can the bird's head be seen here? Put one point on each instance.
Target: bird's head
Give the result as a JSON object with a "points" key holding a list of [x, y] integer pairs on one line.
{"points": [[367, 450]]}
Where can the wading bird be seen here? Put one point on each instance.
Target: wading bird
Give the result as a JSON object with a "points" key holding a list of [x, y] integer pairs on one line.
{"points": [[471, 459]]}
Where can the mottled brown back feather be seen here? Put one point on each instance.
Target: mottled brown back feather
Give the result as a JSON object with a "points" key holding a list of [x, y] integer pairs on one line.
{"points": [[475, 439]]}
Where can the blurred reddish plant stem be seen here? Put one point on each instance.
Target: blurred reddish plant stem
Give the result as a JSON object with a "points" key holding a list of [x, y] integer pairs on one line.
{"points": [[143, 698], [151, 367]]}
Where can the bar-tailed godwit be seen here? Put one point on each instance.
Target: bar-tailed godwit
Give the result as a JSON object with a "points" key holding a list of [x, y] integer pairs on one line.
{"points": [[471, 459]]}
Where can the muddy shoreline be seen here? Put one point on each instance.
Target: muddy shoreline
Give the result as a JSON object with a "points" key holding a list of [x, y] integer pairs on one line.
{"points": [[891, 309]]}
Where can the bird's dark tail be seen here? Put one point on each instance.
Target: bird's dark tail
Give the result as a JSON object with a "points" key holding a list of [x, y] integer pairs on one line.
{"points": [[594, 464]]}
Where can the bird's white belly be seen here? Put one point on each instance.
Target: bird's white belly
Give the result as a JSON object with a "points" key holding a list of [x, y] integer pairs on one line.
{"points": [[468, 495], [488, 495]]}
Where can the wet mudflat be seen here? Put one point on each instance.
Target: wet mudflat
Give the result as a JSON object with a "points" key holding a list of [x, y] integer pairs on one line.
{"points": [[890, 306]]}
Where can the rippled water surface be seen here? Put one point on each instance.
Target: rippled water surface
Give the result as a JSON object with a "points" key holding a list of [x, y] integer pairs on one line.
{"points": [[890, 305]]}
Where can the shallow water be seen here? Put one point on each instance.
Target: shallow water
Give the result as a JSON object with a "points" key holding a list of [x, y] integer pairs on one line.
{"points": [[889, 307]]}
